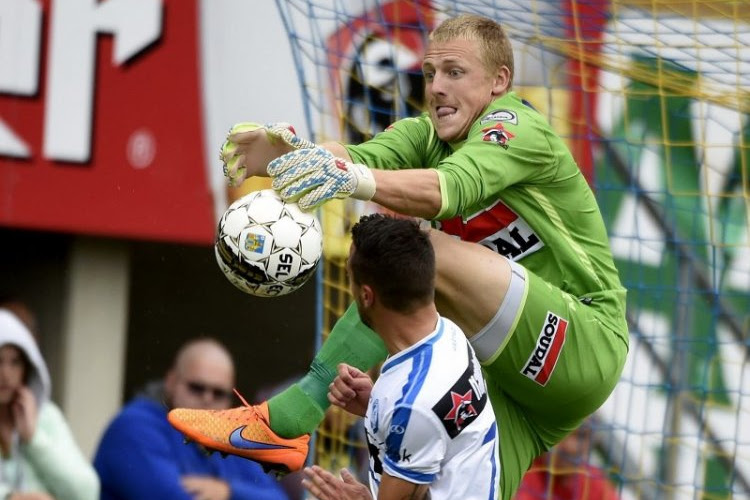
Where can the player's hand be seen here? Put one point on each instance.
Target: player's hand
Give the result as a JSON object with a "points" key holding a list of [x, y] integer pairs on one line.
{"points": [[206, 488], [24, 410], [311, 177], [250, 146], [350, 390], [325, 486]]}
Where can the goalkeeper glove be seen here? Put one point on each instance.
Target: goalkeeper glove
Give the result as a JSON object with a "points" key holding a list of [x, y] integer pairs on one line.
{"points": [[235, 168], [311, 177]]}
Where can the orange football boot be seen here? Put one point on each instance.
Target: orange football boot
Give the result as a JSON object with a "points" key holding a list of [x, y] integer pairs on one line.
{"points": [[242, 431]]}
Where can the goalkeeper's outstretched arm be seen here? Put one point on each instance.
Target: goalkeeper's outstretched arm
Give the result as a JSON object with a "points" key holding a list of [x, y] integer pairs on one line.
{"points": [[414, 192], [250, 147]]}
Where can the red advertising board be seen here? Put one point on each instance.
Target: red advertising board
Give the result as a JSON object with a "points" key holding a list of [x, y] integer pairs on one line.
{"points": [[101, 128]]}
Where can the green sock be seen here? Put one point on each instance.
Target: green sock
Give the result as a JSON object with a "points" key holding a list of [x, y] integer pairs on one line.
{"points": [[300, 408]]}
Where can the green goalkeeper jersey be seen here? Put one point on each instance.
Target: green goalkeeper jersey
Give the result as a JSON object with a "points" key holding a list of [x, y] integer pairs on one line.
{"points": [[512, 185]]}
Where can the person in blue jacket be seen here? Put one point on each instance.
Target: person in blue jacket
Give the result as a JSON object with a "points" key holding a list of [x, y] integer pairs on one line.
{"points": [[141, 456]]}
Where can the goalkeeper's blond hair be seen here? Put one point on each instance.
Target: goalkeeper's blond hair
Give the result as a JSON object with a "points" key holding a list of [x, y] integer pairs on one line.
{"points": [[494, 44]]}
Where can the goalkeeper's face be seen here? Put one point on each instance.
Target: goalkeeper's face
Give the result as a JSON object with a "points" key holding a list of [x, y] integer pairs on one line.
{"points": [[458, 86]]}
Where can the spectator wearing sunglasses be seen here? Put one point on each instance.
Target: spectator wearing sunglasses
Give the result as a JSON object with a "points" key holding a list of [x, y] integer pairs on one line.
{"points": [[141, 456]]}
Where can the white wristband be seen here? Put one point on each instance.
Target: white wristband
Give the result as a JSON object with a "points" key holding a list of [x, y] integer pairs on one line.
{"points": [[365, 189]]}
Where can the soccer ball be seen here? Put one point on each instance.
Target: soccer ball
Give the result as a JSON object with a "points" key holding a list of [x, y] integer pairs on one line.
{"points": [[266, 247]]}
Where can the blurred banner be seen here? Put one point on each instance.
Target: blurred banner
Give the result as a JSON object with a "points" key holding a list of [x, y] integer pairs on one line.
{"points": [[101, 128]]}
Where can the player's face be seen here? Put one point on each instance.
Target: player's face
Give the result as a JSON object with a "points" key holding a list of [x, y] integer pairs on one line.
{"points": [[12, 370], [458, 87]]}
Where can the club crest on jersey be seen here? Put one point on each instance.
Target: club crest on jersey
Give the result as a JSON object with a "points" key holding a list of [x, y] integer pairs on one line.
{"points": [[549, 344], [500, 115], [497, 134], [463, 402], [462, 409]]}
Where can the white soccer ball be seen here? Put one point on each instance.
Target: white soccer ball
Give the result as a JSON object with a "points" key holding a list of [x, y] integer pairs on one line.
{"points": [[266, 247]]}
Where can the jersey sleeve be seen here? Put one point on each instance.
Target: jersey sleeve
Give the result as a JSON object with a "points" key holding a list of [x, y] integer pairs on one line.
{"points": [[495, 157], [402, 145], [414, 451]]}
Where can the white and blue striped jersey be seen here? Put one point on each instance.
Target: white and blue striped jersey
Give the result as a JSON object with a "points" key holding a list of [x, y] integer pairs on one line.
{"points": [[429, 420]]}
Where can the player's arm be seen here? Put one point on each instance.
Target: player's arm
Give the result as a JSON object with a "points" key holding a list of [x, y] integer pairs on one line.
{"points": [[394, 488], [311, 174], [413, 191], [410, 474]]}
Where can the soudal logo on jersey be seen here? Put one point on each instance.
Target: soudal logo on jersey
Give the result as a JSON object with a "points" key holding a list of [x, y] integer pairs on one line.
{"points": [[543, 359], [497, 227], [497, 134], [500, 115], [463, 402]]}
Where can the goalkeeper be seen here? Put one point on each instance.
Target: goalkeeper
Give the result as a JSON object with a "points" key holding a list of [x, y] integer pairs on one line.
{"points": [[538, 296]]}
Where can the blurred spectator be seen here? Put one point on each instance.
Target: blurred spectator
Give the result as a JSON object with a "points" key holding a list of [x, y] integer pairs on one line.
{"points": [[141, 456], [40, 458], [564, 473], [22, 312]]}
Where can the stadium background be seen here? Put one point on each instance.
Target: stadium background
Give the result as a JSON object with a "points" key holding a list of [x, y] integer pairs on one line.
{"points": [[111, 115]]}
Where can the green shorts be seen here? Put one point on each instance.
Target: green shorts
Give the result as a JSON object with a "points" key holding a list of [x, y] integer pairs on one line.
{"points": [[549, 362]]}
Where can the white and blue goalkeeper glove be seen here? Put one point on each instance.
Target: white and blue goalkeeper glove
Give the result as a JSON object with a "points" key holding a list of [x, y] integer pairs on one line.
{"points": [[311, 177], [235, 169]]}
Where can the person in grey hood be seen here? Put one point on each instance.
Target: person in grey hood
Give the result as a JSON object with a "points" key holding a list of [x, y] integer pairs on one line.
{"points": [[40, 459]]}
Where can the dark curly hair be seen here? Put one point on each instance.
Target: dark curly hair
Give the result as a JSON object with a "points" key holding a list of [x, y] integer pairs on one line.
{"points": [[395, 257]]}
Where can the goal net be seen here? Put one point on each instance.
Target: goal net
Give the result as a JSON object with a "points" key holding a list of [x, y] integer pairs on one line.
{"points": [[653, 99]]}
